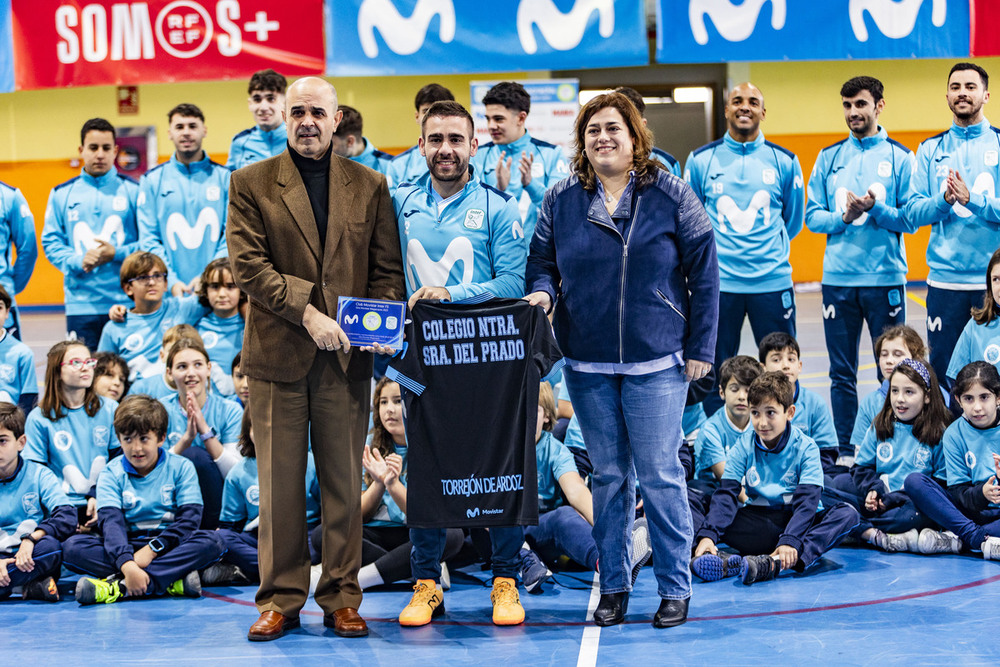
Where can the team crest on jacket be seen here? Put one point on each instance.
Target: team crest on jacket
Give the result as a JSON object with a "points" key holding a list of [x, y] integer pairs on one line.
{"points": [[474, 218], [167, 494], [884, 169], [30, 504], [768, 176], [212, 193], [119, 203]]}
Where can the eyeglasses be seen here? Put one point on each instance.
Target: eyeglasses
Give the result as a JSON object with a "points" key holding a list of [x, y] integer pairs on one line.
{"points": [[220, 285], [80, 364], [149, 278]]}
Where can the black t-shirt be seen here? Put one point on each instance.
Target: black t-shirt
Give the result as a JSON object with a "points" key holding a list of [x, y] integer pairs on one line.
{"points": [[470, 379]]}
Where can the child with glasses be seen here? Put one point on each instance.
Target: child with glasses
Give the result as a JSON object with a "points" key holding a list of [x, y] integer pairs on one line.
{"points": [[72, 429], [144, 279]]}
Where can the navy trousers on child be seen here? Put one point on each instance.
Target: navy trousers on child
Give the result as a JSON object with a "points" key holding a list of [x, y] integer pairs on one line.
{"points": [[241, 551], [899, 519], [755, 530], [563, 531], [767, 312], [48, 560], [86, 554], [972, 527]]}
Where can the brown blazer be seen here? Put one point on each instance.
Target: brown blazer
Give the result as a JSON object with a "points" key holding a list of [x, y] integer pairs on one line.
{"points": [[277, 260]]}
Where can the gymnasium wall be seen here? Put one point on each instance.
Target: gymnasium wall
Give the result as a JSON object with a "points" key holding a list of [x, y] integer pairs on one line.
{"points": [[39, 130]]}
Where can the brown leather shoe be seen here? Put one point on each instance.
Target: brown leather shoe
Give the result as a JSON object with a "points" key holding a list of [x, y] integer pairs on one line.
{"points": [[271, 625], [347, 623]]}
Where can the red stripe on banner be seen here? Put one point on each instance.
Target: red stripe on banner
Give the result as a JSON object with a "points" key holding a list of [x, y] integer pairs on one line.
{"points": [[984, 39], [59, 43]]}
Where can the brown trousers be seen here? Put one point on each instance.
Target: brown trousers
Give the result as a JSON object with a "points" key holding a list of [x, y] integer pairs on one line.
{"points": [[333, 412]]}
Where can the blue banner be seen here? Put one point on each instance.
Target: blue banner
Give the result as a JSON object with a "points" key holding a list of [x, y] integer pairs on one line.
{"points": [[754, 30], [372, 37], [6, 48]]}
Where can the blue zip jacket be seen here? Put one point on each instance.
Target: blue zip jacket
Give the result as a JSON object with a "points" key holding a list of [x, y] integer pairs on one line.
{"points": [[407, 167], [962, 237], [182, 215], [868, 252], [638, 294], [375, 159], [17, 233], [471, 247], [753, 195], [548, 167], [79, 212], [254, 144]]}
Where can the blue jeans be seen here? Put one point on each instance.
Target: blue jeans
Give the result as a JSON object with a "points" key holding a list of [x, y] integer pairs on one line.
{"points": [[632, 425], [845, 310], [767, 312], [564, 531], [429, 545], [947, 314]]}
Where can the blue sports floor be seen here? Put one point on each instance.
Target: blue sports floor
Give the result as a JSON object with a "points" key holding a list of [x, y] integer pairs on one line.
{"points": [[858, 607]]}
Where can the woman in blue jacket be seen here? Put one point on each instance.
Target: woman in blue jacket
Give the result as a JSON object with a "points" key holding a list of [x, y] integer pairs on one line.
{"points": [[625, 253]]}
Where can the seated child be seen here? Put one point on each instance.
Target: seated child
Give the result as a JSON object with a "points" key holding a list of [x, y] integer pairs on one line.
{"points": [[137, 339], [240, 381], [780, 352], [905, 438], [782, 525], [204, 426], [34, 516], [110, 376], [157, 383], [981, 334], [18, 382], [895, 344], [969, 509], [72, 429], [222, 328], [721, 431], [149, 508]]}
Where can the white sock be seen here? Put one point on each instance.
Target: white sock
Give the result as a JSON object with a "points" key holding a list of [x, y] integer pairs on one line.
{"points": [[369, 576]]}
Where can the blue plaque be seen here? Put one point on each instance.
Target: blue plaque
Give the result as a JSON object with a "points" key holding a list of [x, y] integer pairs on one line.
{"points": [[371, 321]]}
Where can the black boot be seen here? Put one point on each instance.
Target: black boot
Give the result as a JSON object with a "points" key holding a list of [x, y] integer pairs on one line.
{"points": [[611, 609], [671, 613]]}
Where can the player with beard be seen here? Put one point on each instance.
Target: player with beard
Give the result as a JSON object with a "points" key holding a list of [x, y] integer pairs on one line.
{"points": [[458, 240], [857, 191], [955, 190]]}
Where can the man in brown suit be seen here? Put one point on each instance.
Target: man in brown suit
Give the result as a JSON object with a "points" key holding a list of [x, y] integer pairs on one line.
{"points": [[306, 227]]}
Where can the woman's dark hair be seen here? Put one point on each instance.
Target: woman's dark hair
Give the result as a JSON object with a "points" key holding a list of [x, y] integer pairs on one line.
{"points": [[642, 140], [929, 425], [245, 443]]}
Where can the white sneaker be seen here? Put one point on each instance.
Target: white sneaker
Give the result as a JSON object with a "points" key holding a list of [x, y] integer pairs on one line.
{"points": [[894, 542], [445, 577], [991, 548], [933, 541]]}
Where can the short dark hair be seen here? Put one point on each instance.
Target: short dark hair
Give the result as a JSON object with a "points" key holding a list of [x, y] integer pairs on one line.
{"points": [[772, 385], [634, 97], [96, 125], [510, 95], [448, 109], [5, 299], [187, 110], [854, 86], [742, 368], [107, 362], [217, 265], [267, 80], [236, 360], [432, 92], [351, 125], [138, 414], [961, 67], [12, 418], [978, 372], [777, 340], [140, 263]]}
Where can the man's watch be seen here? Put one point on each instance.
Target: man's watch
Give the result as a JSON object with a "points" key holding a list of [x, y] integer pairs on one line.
{"points": [[157, 545], [211, 434], [29, 537]]}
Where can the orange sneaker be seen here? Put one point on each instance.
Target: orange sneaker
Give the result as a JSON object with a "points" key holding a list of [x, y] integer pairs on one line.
{"points": [[507, 609], [427, 603]]}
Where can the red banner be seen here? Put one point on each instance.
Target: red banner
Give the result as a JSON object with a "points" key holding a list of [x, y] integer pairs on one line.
{"points": [[985, 17], [61, 43]]}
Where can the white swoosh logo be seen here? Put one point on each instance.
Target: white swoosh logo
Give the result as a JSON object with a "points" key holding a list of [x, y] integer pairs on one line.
{"points": [[429, 272], [733, 22], [563, 31], [742, 220], [895, 18], [192, 237], [85, 239], [403, 36], [840, 198]]}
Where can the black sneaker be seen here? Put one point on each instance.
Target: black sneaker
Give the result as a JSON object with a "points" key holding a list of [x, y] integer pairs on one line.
{"points": [[533, 571], [43, 589], [759, 568]]}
